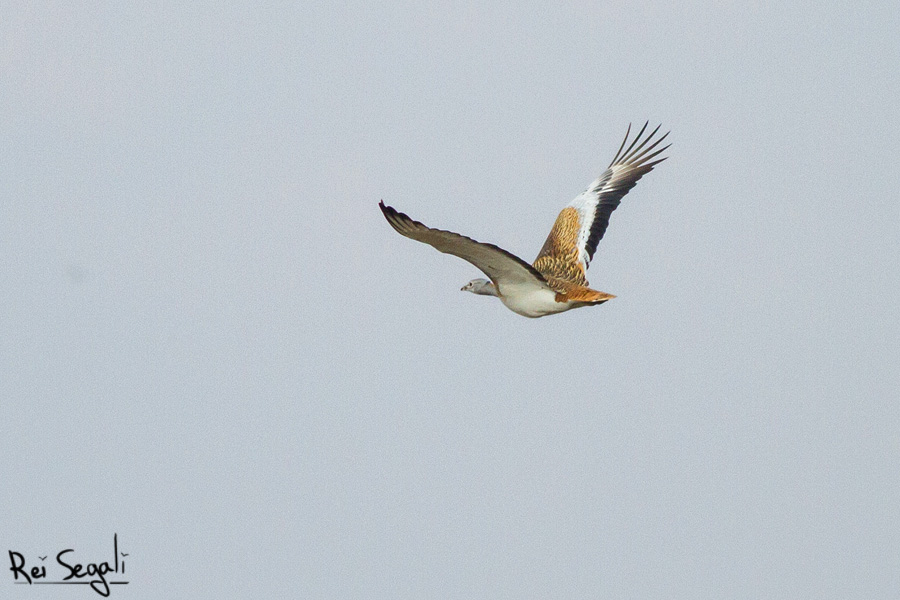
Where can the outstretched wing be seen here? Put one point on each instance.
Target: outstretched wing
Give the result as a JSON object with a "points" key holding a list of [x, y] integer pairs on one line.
{"points": [[504, 268], [578, 229]]}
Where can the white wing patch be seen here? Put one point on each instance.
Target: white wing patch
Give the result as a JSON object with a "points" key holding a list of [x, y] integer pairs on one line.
{"points": [[600, 199], [586, 205]]}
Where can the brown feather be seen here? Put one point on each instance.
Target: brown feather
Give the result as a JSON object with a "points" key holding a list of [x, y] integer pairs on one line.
{"points": [[558, 259], [583, 294]]}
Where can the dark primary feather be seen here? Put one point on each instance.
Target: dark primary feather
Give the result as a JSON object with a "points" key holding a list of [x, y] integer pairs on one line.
{"points": [[622, 174]]}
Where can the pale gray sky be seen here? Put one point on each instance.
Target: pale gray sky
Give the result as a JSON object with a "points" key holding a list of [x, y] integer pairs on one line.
{"points": [[213, 345]]}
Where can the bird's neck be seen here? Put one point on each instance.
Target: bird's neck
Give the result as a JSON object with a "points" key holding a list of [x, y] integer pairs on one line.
{"points": [[487, 289]]}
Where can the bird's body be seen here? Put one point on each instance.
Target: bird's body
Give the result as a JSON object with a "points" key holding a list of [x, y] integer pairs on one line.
{"points": [[557, 281], [535, 303], [526, 300]]}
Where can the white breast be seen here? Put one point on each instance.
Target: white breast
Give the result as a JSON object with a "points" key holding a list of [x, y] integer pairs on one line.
{"points": [[532, 301]]}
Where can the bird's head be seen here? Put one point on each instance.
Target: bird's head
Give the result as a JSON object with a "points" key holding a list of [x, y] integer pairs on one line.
{"points": [[482, 287]]}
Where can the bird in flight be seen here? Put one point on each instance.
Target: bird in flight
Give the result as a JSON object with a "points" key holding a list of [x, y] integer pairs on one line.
{"points": [[557, 281]]}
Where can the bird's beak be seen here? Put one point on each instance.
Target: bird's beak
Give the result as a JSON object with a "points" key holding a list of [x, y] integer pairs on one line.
{"points": [[462, 289]]}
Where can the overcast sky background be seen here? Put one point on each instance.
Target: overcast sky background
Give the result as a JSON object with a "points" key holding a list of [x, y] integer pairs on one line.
{"points": [[213, 344]]}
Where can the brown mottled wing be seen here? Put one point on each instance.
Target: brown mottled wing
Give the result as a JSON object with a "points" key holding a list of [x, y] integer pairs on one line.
{"points": [[558, 259], [568, 251], [501, 266]]}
